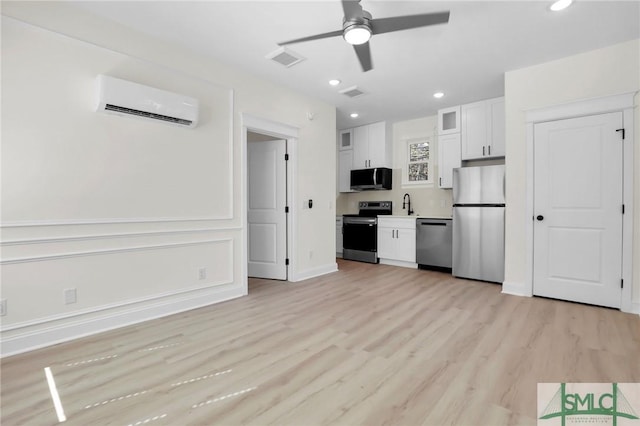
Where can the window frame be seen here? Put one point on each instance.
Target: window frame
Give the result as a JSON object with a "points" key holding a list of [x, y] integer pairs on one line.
{"points": [[429, 182]]}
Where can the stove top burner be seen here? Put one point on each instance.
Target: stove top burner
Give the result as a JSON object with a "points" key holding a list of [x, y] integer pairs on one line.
{"points": [[374, 208]]}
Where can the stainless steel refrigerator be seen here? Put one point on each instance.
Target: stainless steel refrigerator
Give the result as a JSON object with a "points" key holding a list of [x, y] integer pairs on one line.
{"points": [[478, 223]]}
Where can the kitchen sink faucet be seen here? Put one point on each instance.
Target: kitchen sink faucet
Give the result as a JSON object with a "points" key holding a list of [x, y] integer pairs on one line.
{"points": [[406, 202]]}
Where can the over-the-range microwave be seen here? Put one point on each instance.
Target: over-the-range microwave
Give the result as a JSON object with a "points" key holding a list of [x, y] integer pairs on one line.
{"points": [[369, 179]]}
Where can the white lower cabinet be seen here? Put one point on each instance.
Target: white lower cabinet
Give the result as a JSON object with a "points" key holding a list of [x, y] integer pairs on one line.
{"points": [[397, 240]]}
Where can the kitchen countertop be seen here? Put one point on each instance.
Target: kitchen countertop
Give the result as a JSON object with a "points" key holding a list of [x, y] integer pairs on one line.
{"points": [[434, 217], [416, 217]]}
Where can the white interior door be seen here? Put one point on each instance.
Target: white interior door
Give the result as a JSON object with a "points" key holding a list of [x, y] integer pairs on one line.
{"points": [[578, 207], [267, 220]]}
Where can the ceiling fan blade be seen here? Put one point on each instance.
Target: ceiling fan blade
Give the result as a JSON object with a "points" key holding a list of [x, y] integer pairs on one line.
{"points": [[313, 37], [352, 9], [364, 56], [398, 23]]}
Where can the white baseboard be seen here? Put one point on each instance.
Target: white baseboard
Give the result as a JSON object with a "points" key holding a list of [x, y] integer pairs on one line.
{"points": [[635, 308], [77, 328], [315, 272], [398, 263], [515, 289]]}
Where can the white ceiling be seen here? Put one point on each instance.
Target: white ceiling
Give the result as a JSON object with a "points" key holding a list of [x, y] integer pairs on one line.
{"points": [[466, 58]]}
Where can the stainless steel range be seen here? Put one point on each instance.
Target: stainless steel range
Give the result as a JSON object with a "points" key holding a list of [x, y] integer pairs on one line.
{"points": [[360, 231]]}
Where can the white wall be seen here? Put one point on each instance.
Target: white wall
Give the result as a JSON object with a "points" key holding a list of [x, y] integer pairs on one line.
{"points": [[124, 210], [425, 200], [608, 71]]}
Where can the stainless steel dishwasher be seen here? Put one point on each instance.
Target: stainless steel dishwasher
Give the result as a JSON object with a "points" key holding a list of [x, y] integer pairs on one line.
{"points": [[433, 243]]}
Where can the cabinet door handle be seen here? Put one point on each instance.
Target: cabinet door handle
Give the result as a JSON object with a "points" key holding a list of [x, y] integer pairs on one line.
{"points": [[440, 181], [489, 148], [483, 151]]}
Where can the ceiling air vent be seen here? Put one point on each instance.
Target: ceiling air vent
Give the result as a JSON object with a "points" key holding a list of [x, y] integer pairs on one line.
{"points": [[352, 92], [285, 56]]}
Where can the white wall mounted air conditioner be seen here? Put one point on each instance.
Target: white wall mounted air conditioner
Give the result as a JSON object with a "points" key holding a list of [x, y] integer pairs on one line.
{"points": [[122, 97]]}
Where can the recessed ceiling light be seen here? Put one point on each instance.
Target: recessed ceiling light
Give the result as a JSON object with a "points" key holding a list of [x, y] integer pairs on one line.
{"points": [[354, 115], [438, 95], [561, 4], [334, 82]]}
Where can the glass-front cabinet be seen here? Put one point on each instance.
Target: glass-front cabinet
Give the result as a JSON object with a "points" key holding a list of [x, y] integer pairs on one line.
{"points": [[345, 139], [449, 120]]}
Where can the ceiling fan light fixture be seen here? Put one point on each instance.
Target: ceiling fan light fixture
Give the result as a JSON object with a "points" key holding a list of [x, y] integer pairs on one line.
{"points": [[357, 34], [560, 5]]}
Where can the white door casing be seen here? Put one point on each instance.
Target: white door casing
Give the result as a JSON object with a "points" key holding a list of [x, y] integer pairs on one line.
{"points": [[578, 197], [266, 202]]}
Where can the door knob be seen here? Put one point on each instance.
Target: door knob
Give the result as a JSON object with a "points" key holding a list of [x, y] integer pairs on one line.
{"points": [[540, 217]]}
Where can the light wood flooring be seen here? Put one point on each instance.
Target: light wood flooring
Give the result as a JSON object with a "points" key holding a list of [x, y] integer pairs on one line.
{"points": [[368, 345]]}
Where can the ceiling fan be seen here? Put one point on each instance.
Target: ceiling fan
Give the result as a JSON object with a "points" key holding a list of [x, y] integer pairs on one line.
{"points": [[358, 26]]}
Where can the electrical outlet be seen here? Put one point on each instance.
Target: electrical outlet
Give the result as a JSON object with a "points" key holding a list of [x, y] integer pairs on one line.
{"points": [[3, 307], [202, 273], [70, 296]]}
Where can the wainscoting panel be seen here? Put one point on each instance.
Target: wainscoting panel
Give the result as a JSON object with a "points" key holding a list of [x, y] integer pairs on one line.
{"points": [[114, 286]]}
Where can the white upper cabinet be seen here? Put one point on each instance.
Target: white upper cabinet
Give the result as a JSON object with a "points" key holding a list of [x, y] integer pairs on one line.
{"points": [[482, 129], [448, 158], [371, 147], [449, 120], [345, 139], [360, 147], [345, 161], [474, 130], [495, 108]]}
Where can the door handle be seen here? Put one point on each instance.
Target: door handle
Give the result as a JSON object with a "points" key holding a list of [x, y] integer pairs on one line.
{"points": [[540, 217]]}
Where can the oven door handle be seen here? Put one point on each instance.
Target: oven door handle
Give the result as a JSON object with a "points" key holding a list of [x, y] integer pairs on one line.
{"points": [[375, 175], [359, 221]]}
